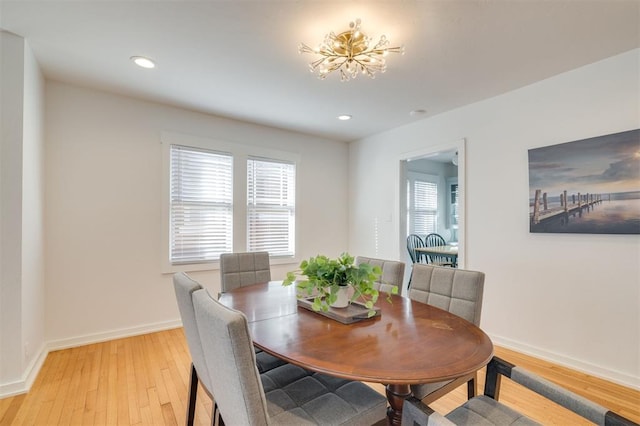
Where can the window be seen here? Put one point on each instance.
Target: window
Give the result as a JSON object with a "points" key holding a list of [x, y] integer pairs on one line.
{"points": [[201, 204], [452, 184], [271, 206], [221, 197], [422, 204]]}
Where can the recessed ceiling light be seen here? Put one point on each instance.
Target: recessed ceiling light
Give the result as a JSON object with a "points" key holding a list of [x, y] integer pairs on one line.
{"points": [[344, 117], [143, 62]]}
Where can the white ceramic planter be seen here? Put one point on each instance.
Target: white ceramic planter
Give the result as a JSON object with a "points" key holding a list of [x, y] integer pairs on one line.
{"points": [[343, 297]]}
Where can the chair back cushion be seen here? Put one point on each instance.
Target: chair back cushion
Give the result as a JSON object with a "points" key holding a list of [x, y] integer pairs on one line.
{"points": [[455, 290], [184, 288], [231, 362], [242, 269], [392, 272]]}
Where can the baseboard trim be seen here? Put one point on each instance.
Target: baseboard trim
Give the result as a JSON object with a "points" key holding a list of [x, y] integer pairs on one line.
{"points": [[55, 345], [31, 373], [22, 386], [575, 364]]}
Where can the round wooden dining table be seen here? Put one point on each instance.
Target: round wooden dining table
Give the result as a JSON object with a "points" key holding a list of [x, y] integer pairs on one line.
{"points": [[408, 343]]}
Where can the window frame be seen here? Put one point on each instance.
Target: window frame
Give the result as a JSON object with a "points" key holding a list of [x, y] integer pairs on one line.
{"points": [[241, 153]]}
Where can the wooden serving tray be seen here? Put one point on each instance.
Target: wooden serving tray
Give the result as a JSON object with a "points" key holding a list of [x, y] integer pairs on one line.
{"points": [[355, 312]]}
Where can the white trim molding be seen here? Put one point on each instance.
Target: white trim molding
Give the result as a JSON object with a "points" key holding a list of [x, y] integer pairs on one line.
{"points": [[29, 376], [88, 339], [608, 374]]}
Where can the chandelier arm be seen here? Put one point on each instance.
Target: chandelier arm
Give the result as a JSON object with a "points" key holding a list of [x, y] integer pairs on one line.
{"points": [[378, 64]]}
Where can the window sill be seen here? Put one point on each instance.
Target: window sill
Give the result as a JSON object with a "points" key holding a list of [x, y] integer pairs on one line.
{"points": [[215, 266]]}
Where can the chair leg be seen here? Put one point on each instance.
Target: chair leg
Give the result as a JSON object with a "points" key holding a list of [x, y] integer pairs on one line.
{"points": [[471, 387], [193, 391], [215, 415]]}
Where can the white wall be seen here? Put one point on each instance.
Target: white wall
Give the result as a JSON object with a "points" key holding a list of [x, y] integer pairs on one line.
{"points": [[33, 274], [11, 73], [103, 198], [574, 299], [21, 216]]}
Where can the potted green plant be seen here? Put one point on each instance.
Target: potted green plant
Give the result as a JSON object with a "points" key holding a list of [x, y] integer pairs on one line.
{"points": [[327, 278]]}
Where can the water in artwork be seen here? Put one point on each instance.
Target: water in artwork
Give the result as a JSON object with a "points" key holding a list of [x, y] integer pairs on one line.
{"points": [[619, 215]]}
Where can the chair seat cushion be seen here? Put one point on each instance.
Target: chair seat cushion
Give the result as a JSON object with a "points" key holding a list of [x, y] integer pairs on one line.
{"points": [[266, 362], [484, 411], [297, 396]]}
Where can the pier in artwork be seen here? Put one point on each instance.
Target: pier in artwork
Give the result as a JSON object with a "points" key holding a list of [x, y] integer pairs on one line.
{"points": [[568, 204]]}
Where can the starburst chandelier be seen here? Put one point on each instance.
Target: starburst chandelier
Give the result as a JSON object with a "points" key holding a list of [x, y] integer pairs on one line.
{"points": [[350, 53]]}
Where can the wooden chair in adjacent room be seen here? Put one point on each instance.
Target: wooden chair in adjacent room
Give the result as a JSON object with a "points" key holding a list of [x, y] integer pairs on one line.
{"points": [[436, 240], [414, 241]]}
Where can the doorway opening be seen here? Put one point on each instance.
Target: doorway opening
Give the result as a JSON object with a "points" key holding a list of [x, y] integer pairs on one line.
{"points": [[431, 196]]}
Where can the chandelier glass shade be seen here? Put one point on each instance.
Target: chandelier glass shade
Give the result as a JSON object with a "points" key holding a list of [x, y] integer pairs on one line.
{"points": [[350, 52]]}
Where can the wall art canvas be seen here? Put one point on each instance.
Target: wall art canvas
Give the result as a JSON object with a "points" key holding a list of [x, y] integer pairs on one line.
{"points": [[589, 186]]}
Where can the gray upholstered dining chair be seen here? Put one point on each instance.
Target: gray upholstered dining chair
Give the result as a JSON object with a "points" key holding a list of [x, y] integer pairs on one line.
{"points": [[284, 395], [486, 410], [392, 272], [242, 269], [457, 291], [184, 288]]}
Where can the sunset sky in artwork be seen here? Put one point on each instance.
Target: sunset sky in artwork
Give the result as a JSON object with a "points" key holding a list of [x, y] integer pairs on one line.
{"points": [[600, 165]]}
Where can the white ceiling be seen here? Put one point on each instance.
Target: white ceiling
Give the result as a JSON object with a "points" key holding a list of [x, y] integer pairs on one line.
{"points": [[239, 58]]}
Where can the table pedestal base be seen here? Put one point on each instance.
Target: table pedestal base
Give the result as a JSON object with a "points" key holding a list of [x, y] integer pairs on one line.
{"points": [[396, 394]]}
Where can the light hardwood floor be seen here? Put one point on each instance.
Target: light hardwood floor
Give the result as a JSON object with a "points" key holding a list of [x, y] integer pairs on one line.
{"points": [[143, 380]]}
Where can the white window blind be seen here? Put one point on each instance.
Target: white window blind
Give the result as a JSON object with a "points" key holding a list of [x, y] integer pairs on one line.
{"points": [[271, 203], [201, 204], [423, 206]]}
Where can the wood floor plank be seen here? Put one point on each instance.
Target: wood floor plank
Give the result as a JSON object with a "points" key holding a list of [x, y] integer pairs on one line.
{"points": [[176, 399], [131, 384], [146, 416], [154, 404], [111, 387], [123, 400], [89, 414], [168, 415], [141, 370], [102, 392], [143, 380], [11, 407]]}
